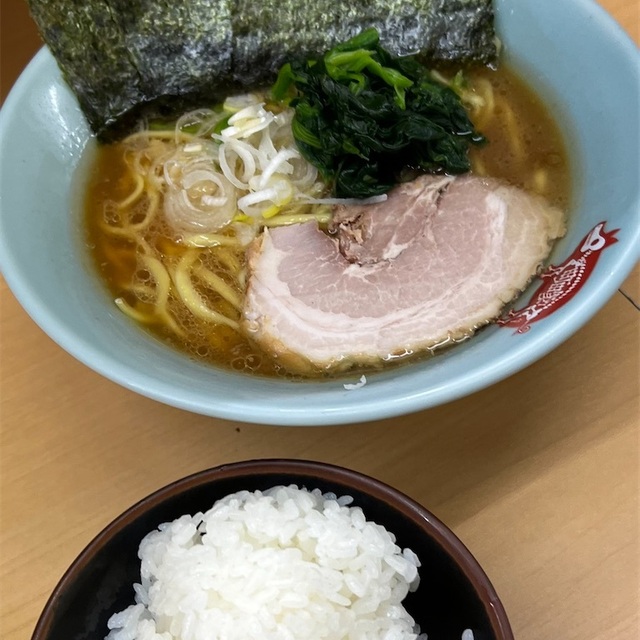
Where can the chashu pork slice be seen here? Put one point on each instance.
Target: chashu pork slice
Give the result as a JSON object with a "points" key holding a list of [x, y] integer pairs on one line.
{"points": [[435, 261]]}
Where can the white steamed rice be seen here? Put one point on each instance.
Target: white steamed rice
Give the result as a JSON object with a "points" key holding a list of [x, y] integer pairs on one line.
{"points": [[283, 564]]}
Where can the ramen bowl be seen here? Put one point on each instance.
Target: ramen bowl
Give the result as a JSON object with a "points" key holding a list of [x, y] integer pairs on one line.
{"points": [[454, 593], [572, 53]]}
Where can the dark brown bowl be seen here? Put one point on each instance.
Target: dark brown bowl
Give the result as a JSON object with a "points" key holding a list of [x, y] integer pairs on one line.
{"points": [[454, 594]]}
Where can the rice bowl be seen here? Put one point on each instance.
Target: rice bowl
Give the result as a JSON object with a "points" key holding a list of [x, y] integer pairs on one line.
{"points": [[454, 595]]}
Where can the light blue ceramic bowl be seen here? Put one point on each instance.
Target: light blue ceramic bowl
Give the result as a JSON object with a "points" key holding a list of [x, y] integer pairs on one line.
{"points": [[572, 51]]}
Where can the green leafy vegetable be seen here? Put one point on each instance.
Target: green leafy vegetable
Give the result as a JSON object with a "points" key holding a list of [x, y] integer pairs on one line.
{"points": [[363, 114]]}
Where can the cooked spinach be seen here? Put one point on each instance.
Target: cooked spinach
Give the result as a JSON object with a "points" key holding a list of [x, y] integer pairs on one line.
{"points": [[362, 115]]}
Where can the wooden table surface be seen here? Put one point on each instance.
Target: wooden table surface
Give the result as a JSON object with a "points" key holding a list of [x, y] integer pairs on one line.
{"points": [[539, 475]]}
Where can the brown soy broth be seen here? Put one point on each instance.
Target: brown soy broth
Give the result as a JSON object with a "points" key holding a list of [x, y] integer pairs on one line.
{"points": [[535, 149], [523, 138]]}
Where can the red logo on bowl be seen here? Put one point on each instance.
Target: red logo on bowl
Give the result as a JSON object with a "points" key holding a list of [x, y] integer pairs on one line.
{"points": [[560, 283]]}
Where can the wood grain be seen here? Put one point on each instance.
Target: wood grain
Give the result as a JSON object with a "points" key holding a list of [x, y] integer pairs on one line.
{"points": [[539, 475]]}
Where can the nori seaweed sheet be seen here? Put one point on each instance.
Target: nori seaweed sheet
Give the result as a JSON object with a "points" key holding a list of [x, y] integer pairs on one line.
{"points": [[119, 56]]}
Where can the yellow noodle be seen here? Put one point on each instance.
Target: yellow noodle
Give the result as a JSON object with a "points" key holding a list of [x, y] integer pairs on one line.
{"points": [[152, 209], [131, 230], [513, 130], [135, 194], [469, 97], [163, 288], [143, 291], [229, 259], [172, 324], [143, 246], [159, 314], [168, 134], [155, 173], [163, 314], [121, 256], [191, 298], [210, 240], [139, 159], [487, 111], [540, 181], [148, 161], [284, 219], [242, 278], [298, 208], [132, 312], [160, 275], [124, 232], [219, 286]]}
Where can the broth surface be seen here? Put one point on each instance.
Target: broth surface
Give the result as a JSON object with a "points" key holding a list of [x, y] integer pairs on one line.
{"points": [[525, 143], [525, 147]]}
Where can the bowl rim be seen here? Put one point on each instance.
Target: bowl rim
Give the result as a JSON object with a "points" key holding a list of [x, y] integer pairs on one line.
{"points": [[352, 407], [349, 478]]}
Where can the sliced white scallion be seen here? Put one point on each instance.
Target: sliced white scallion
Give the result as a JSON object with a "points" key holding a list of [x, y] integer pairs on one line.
{"points": [[256, 156], [233, 104], [279, 163], [198, 198], [192, 147], [278, 192], [247, 121]]}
